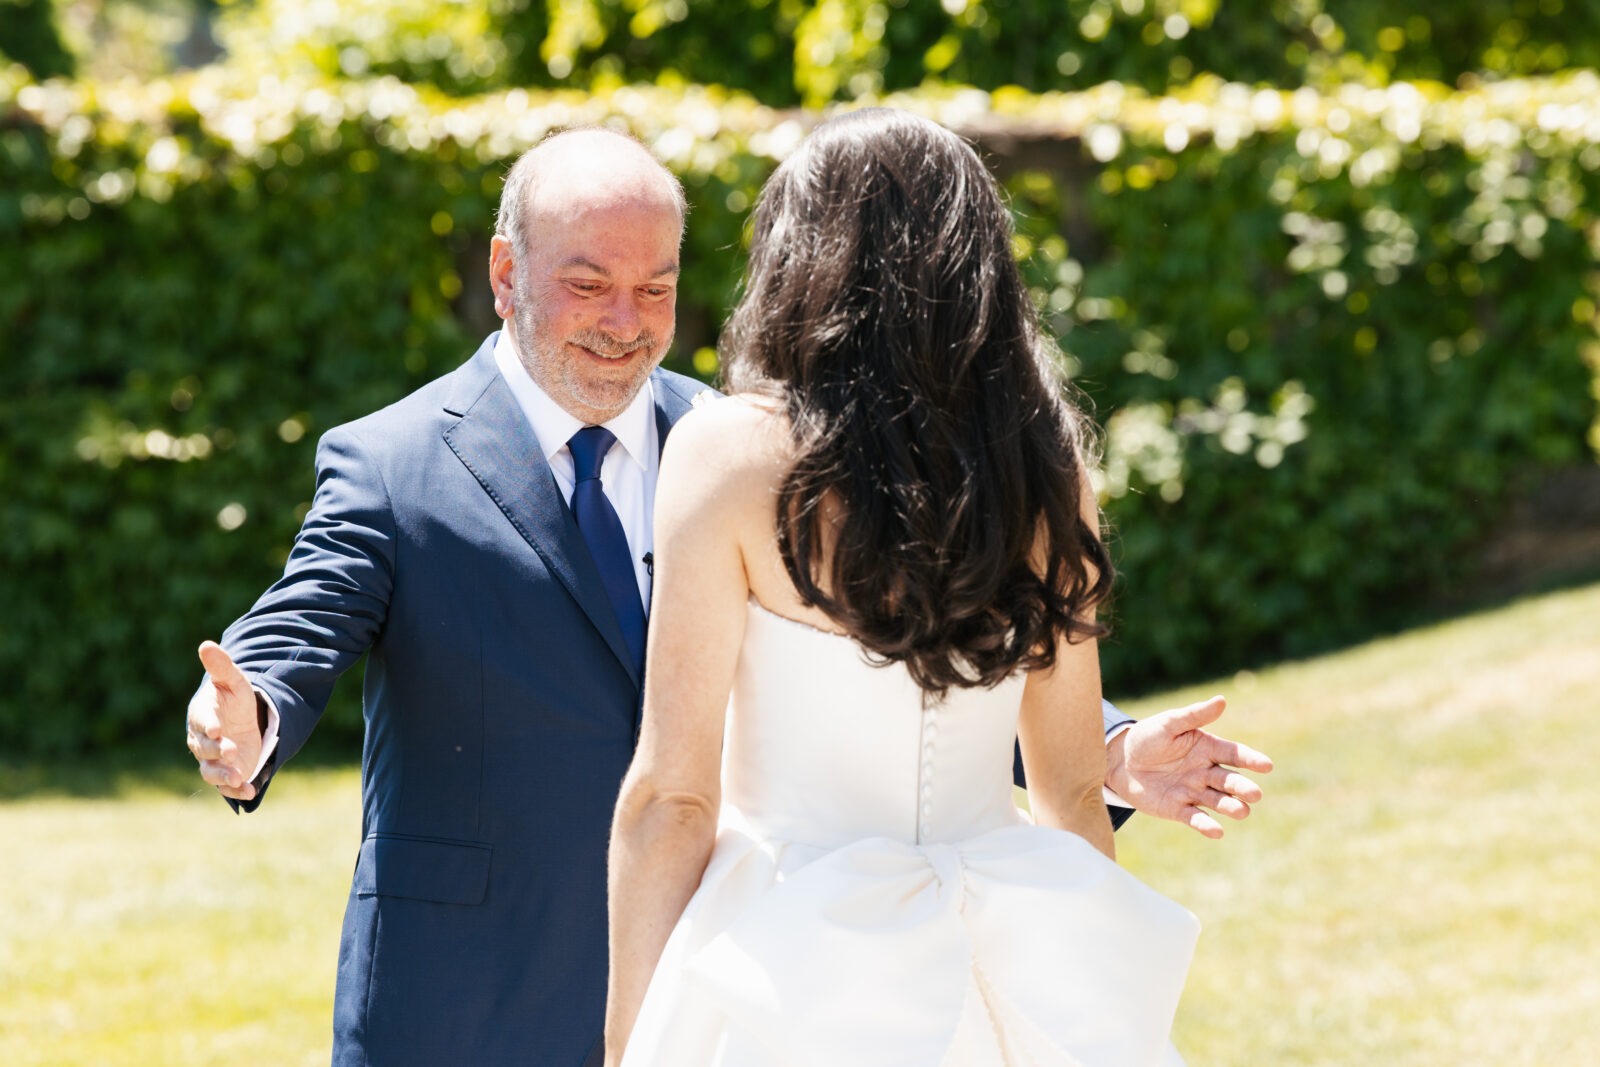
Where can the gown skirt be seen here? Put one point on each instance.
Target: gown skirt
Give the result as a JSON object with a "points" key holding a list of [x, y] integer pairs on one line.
{"points": [[875, 897]]}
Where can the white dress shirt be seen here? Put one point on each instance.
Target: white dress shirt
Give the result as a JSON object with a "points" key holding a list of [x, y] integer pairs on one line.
{"points": [[1116, 725], [628, 473]]}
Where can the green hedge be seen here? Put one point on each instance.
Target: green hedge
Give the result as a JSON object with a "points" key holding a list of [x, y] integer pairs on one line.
{"points": [[1327, 335]]}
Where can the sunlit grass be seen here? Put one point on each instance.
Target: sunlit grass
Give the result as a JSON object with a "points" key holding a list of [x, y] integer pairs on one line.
{"points": [[158, 928], [1421, 886]]}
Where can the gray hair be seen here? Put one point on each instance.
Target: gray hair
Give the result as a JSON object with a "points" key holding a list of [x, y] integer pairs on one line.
{"points": [[510, 220]]}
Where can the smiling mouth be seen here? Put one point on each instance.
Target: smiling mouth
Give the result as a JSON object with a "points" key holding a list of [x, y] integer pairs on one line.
{"points": [[610, 357]]}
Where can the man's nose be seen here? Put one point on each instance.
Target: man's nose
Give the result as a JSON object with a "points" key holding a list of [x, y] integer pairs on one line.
{"points": [[621, 318]]}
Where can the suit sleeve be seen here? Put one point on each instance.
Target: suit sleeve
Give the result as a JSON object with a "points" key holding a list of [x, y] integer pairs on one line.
{"points": [[330, 604], [1115, 721]]}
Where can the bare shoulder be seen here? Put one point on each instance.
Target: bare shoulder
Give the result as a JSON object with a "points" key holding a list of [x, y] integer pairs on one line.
{"points": [[724, 456], [740, 414], [737, 436]]}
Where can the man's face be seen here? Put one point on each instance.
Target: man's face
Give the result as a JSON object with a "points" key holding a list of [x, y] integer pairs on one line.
{"points": [[594, 297]]}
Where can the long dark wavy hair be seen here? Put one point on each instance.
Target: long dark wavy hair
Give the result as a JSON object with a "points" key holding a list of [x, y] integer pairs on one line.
{"points": [[883, 310]]}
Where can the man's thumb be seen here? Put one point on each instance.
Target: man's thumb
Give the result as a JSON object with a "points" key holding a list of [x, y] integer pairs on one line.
{"points": [[219, 665], [1195, 716]]}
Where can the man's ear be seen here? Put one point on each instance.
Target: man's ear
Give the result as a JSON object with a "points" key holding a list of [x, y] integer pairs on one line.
{"points": [[502, 275]]}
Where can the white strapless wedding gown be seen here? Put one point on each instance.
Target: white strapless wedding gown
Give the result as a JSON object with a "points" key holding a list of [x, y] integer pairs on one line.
{"points": [[876, 899]]}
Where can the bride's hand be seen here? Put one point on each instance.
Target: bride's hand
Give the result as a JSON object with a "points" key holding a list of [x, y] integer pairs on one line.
{"points": [[1169, 767]]}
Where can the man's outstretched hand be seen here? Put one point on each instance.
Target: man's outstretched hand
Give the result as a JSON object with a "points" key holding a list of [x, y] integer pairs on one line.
{"points": [[1170, 767], [224, 731]]}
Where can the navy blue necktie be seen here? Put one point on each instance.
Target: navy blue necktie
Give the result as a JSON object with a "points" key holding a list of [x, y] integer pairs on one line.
{"points": [[601, 528]]}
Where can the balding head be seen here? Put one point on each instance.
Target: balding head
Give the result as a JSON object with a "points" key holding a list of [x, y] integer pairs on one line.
{"points": [[581, 168], [584, 267]]}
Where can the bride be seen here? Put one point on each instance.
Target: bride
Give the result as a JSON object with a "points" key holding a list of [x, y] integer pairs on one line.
{"points": [[877, 567]]}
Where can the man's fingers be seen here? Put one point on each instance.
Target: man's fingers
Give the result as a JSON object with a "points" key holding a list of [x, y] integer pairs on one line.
{"points": [[1233, 754], [219, 773], [1222, 804], [204, 747], [244, 792], [1202, 823], [1192, 717], [219, 665], [1234, 784], [203, 712]]}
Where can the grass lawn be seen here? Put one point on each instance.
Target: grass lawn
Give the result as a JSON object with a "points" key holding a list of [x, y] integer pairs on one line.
{"points": [[1420, 887]]}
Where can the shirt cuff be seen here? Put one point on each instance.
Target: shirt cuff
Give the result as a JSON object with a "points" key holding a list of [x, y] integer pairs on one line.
{"points": [[1111, 735], [269, 737]]}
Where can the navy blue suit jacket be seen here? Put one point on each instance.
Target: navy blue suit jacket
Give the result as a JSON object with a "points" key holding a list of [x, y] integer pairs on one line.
{"points": [[501, 709]]}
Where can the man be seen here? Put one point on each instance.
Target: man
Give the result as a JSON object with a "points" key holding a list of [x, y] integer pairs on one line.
{"points": [[490, 547]]}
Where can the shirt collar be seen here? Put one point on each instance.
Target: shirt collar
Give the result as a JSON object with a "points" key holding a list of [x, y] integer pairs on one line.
{"points": [[554, 425]]}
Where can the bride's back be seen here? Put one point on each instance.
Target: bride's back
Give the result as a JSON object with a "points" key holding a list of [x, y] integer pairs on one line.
{"points": [[823, 748], [823, 745]]}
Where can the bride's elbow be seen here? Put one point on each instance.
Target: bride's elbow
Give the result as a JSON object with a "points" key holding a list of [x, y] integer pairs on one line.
{"points": [[1070, 805], [650, 808], [686, 811]]}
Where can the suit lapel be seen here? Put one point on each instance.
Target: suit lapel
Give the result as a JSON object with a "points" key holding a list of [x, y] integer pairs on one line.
{"points": [[493, 440], [672, 403]]}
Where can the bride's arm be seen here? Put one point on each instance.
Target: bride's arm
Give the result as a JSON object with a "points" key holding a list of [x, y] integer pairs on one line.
{"points": [[666, 816], [1061, 734], [1063, 747]]}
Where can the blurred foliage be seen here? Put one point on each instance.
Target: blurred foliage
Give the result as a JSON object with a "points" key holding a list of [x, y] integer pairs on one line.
{"points": [[458, 47], [29, 35], [1454, 42], [1327, 333], [788, 52], [106, 40]]}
